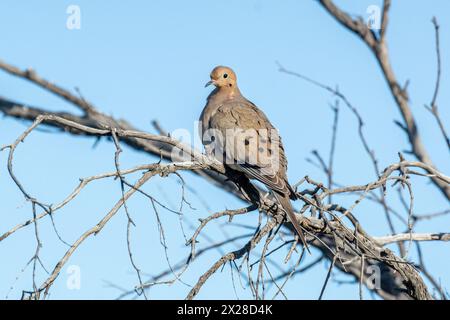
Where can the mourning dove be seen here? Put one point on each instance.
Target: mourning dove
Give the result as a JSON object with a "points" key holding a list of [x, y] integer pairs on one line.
{"points": [[240, 135]]}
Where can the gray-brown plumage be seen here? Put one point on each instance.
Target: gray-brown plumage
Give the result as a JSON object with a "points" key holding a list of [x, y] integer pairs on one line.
{"points": [[236, 132]]}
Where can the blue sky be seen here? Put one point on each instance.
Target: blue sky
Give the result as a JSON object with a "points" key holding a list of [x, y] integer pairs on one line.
{"points": [[150, 60]]}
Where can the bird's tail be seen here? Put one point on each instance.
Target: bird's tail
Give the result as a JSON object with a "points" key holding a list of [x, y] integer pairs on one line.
{"points": [[287, 207]]}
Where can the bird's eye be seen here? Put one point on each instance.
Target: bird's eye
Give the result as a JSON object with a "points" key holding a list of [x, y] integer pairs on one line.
{"points": [[225, 75]]}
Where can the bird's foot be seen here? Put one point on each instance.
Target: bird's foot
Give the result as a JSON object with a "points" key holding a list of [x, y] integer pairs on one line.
{"points": [[265, 202]]}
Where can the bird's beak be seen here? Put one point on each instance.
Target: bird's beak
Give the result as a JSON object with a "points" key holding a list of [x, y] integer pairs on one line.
{"points": [[209, 83]]}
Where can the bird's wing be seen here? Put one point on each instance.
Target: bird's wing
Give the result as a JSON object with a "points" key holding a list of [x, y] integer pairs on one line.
{"points": [[251, 144]]}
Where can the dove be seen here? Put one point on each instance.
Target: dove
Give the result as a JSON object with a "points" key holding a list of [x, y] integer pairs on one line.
{"points": [[236, 132]]}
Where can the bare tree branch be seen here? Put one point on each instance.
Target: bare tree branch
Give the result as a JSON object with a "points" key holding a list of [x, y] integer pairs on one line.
{"points": [[380, 50], [412, 237], [433, 108]]}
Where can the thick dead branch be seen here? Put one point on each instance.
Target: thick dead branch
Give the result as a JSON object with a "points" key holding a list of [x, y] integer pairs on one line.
{"points": [[413, 237]]}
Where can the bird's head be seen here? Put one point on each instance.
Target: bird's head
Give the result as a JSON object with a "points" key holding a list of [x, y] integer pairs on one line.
{"points": [[222, 77]]}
